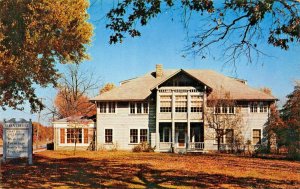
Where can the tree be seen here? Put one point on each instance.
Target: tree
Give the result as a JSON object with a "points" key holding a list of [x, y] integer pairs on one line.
{"points": [[34, 36], [107, 87], [224, 118], [275, 129], [291, 116], [72, 97], [237, 26]]}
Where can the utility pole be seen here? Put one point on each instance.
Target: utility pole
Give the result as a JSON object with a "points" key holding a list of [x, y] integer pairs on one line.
{"points": [[37, 128]]}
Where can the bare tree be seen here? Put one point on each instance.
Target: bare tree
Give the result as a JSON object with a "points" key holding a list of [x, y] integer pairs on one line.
{"points": [[224, 117], [72, 101]]}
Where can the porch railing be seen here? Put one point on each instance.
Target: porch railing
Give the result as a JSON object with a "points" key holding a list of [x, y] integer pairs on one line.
{"points": [[165, 145], [197, 145]]}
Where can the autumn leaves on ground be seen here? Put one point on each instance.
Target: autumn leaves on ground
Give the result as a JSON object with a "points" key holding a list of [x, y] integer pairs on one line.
{"points": [[148, 170]]}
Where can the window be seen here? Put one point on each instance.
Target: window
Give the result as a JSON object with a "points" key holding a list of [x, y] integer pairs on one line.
{"points": [[181, 103], [229, 136], [263, 107], [138, 108], [253, 107], [103, 107], [217, 110], [224, 110], [166, 103], [143, 135], [196, 104], [166, 135], [108, 135], [133, 136], [111, 107], [74, 135], [231, 110], [145, 107], [132, 108], [256, 136]]}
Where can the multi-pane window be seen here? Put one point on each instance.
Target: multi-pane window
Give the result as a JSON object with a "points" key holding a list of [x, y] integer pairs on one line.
{"points": [[231, 110], [145, 107], [111, 107], [253, 107], [103, 107], [224, 110], [217, 110], [143, 135], [229, 136], [181, 103], [133, 136], [256, 135], [132, 108], [166, 103], [263, 107], [138, 108], [196, 104], [74, 135], [108, 135], [107, 107], [165, 135]]}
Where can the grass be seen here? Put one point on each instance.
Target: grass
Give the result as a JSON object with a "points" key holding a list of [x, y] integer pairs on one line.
{"points": [[60, 169]]}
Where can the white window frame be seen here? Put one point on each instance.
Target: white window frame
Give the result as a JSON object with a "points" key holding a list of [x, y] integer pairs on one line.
{"points": [[107, 107], [112, 136], [140, 135], [227, 109], [135, 108], [170, 133], [68, 144], [261, 135]]}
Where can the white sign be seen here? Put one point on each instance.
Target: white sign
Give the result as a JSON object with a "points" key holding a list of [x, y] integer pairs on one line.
{"points": [[17, 139]]}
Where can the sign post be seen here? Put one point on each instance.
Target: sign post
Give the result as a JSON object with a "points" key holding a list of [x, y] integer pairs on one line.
{"points": [[17, 139]]}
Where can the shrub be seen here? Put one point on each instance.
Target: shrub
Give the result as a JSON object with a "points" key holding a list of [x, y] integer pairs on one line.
{"points": [[143, 147]]}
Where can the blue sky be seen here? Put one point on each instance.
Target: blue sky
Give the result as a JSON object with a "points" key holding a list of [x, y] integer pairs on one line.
{"points": [[162, 42]]}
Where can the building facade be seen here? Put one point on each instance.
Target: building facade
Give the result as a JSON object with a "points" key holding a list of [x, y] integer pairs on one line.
{"points": [[71, 129], [168, 109]]}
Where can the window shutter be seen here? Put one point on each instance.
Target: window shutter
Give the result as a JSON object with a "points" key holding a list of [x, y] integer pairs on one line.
{"points": [[62, 136], [86, 135]]}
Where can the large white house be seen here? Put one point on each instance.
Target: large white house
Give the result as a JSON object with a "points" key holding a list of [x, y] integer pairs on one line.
{"points": [[167, 109]]}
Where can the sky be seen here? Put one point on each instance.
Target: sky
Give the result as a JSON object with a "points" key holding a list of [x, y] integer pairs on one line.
{"points": [[162, 42]]}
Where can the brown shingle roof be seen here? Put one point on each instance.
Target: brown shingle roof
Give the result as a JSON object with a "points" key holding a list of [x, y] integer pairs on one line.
{"points": [[140, 87]]}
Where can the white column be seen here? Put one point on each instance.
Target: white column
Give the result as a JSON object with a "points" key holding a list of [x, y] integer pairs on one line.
{"points": [[173, 118], [157, 120], [204, 112], [188, 118]]}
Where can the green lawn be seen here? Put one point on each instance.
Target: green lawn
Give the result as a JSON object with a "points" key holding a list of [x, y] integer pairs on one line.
{"points": [[148, 170]]}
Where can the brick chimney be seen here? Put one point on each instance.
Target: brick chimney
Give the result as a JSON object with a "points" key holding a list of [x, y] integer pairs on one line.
{"points": [[159, 71]]}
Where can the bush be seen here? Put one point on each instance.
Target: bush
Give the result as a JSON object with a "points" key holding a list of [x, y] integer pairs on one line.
{"points": [[143, 147]]}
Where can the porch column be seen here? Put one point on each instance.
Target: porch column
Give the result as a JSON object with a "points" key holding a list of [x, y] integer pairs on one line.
{"points": [[157, 140], [188, 118], [204, 112], [173, 118]]}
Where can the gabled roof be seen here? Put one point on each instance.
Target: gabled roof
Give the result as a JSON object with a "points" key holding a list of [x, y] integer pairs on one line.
{"points": [[140, 88]]}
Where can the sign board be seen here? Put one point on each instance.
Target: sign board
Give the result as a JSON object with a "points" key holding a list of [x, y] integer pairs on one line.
{"points": [[17, 139]]}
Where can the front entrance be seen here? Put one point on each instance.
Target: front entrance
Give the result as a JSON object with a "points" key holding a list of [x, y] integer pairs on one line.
{"points": [[181, 135]]}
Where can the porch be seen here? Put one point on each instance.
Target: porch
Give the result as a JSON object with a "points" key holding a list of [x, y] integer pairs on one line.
{"points": [[182, 138]]}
